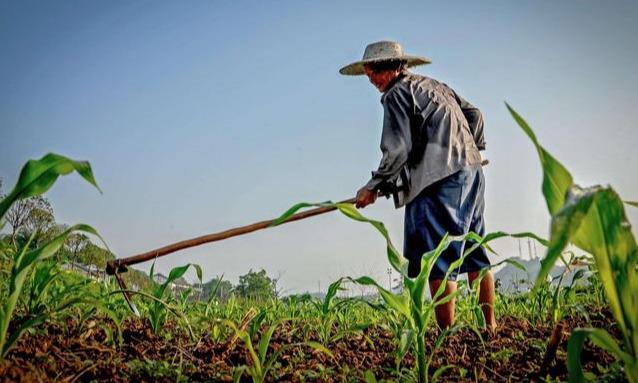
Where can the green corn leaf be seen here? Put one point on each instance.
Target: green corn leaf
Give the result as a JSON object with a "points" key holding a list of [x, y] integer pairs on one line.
{"points": [[255, 323], [394, 257], [369, 377], [332, 291], [257, 367], [198, 272], [177, 273], [602, 339], [480, 318], [264, 341], [489, 237], [512, 262], [632, 203], [50, 248], [556, 178], [37, 176], [151, 273], [42, 317], [397, 302], [288, 213], [595, 220], [237, 373], [165, 305], [439, 371], [577, 276], [417, 290], [405, 342], [319, 347], [17, 332]]}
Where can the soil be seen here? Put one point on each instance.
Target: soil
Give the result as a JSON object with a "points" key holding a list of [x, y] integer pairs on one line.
{"points": [[66, 352]]}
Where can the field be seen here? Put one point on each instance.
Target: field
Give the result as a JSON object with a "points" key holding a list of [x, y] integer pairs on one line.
{"points": [[57, 325]]}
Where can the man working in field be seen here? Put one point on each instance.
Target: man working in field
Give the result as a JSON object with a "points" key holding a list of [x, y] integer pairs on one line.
{"points": [[431, 140]]}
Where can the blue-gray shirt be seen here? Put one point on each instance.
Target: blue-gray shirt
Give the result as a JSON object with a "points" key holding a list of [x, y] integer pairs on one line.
{"points": [[428, 128]]}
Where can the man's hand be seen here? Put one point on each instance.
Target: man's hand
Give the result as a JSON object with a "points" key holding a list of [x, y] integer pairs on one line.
{"points": [[365, 197]]}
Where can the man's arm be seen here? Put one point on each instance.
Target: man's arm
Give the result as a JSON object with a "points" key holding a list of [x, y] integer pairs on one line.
{"points": [[474, 119], [396, 140]]}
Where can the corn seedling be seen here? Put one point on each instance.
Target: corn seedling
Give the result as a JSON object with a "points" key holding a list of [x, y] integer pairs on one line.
{"points": [[158, 306], [594, 220], [475, 288], [36, 177], [261, 361], [411, 304]]}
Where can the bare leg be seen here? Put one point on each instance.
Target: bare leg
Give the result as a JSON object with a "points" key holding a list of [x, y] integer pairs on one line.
{"points": [[487, 297], [444, 312]]}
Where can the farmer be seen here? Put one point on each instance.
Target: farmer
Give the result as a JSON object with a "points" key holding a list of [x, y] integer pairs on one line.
{"points": [[430, 142]]}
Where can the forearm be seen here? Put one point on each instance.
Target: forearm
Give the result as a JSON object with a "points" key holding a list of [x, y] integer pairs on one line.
{"points": [[390, 165]]}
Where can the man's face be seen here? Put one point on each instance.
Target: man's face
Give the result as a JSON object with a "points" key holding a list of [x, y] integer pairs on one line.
{"points": [[380, 80]]}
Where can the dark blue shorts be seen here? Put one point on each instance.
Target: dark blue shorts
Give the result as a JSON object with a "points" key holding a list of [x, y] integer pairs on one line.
{"points": [[454, 205]]}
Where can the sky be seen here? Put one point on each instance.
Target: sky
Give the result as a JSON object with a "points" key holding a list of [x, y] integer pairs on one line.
{"points": [[201, 116]]}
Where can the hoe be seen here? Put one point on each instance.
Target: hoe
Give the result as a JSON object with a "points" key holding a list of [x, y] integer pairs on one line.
{"points": [[118, 266], [395, 187]]}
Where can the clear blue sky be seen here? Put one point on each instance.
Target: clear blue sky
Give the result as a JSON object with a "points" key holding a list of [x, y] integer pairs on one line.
{"points": [[201, 116]]}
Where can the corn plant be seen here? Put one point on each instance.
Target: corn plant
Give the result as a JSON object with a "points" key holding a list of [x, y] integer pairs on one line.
{"points": [[260, 361], [563, 298], [412, 304], [158, 307], [212, 299], [332, 316], [594, 220], [36, 177], [474, 291]]}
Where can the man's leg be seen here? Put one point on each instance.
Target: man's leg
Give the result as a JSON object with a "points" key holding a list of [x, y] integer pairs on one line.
{"points": [[445, 311], [487, 297]]}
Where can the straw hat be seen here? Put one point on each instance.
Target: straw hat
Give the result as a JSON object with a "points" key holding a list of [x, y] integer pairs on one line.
{"points": [[382, 51]]}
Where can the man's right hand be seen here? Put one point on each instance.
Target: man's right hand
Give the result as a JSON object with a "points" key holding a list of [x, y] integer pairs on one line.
{"points": [[365, 197]]}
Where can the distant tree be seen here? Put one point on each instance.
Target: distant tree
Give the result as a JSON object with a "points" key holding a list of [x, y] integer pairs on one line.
{"points": [[74, 246], [219, 287], [30, 215], [256, 285], [94, 255]]}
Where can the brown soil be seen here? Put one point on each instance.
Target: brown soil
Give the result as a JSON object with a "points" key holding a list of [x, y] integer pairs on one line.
{"points": [[58, 352]]}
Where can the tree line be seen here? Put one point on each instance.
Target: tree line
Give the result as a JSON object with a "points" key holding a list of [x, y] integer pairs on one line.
{"points": [[34, 217]]}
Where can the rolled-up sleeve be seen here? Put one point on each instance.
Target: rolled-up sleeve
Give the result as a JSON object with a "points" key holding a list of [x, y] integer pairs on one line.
{"points": [[395, 138], [474, 119]]}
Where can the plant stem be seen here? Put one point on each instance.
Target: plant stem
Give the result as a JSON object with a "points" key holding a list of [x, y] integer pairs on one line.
{"points": [[420, 357]]}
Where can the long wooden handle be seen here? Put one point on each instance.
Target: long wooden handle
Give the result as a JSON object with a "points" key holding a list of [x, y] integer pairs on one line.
{"points": [[119, 265]]}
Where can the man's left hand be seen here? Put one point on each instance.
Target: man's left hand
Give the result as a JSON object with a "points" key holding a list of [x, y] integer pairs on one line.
{"points": [[365, 197]]}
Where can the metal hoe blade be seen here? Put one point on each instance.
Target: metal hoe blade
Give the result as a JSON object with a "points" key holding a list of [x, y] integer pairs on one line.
{"points": [[127, 297]]}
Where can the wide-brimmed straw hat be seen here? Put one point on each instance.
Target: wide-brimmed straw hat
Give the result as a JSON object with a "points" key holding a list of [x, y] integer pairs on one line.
{"points": [[382, 51]]}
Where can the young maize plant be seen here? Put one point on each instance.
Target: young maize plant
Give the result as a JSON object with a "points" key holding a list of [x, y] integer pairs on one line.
{"points": [[159, 300], [36, 177], [594, 220], [261, 361], [331, 316], [474, 289], [158, 307], [412, 303]]}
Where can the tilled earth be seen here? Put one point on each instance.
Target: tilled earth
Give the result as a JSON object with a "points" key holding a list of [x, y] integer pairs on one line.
{"points": [[62, 353]]}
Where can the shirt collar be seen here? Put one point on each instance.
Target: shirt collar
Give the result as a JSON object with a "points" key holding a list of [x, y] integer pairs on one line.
{"points": [[392, 84]]}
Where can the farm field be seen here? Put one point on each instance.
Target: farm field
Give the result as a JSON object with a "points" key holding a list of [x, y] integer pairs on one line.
{"points": [[67, 349], [57, 325]]}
